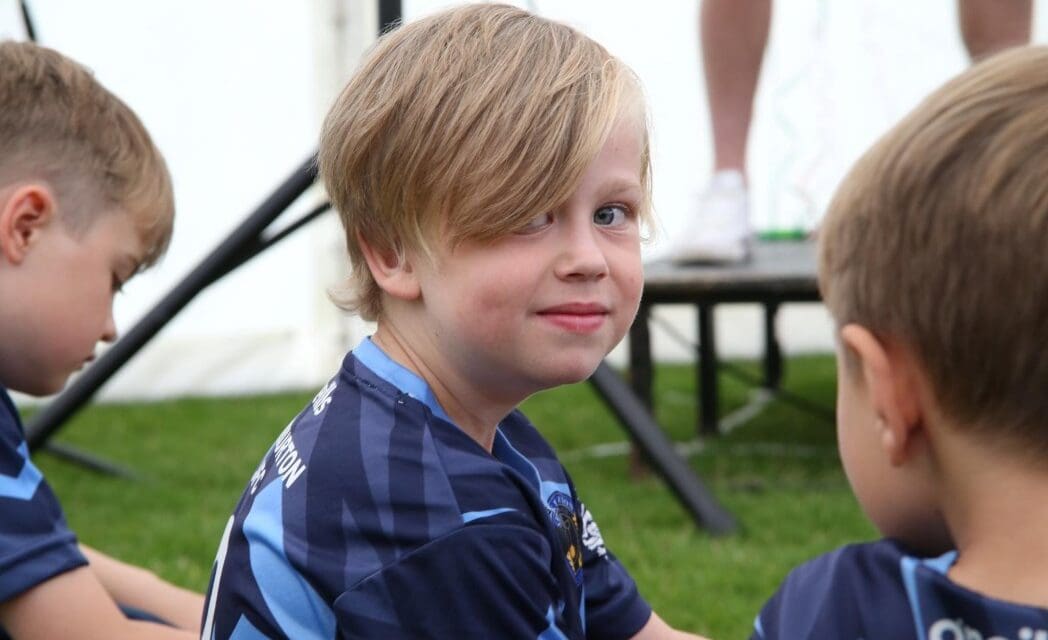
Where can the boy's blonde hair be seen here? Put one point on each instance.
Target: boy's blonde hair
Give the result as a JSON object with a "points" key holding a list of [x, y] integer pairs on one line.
{"points": [[58, 124], [466, 125], [938, 238]]}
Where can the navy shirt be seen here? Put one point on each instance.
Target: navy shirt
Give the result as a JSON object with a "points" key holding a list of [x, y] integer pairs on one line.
{"points": [[878, 590], [35, 542], [374, 516]]}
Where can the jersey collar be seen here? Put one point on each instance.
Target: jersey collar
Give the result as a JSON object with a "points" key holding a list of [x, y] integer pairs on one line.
{"points": [[373, 357]]}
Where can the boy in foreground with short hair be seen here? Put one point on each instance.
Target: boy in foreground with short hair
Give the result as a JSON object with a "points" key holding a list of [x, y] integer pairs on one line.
{"points": [[934, 263], [491, 171], [85, 203]]}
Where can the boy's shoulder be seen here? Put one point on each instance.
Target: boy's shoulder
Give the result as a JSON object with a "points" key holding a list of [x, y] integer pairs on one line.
{"points": [[882, 590], [35, 542], [855, 591]]}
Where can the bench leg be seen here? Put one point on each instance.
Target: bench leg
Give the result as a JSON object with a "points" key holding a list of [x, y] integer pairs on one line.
{"points": [[708, 403], [772, 351], [641, 380]]}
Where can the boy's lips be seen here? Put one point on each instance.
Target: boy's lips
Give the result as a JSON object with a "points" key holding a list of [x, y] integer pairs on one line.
{"points": [[577, 317]]}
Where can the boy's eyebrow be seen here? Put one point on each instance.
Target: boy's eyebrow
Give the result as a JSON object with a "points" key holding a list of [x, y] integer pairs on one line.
{"points": [[617, 183], [618, 186]]}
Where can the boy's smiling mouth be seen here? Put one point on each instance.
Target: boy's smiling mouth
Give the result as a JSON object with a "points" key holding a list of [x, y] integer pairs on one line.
{"points": [[577, 317]]}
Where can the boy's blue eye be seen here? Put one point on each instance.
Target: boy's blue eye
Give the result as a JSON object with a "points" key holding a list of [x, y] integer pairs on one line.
{"points": [[610, 215], [537, 223]]}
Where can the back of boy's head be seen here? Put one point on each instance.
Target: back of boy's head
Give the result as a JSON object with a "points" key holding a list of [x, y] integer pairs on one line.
{"points": [[466, 125], [60, 126], [938, 239]]}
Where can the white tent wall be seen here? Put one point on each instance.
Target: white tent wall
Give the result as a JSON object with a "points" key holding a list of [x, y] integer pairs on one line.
{"points": [[234, 93]]}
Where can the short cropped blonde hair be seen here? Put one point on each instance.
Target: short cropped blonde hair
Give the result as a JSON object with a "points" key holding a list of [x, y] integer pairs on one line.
{"points": [[938, 238], [59, 124], [466, 125]]}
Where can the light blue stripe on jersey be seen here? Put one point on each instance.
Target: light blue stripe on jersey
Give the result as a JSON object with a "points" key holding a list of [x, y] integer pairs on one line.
{"points": [[470, 516], [288, 596], [582, 608], [943, 563], [245, 631], [552, 632], [22, 486], [371, 356], [908, 566], [506, 452]]}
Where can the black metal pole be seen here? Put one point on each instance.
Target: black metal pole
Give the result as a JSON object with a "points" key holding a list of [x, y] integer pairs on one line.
{"points": [[389, 15], [653, 442], [27, 20], [708, 396], [220, 261]]}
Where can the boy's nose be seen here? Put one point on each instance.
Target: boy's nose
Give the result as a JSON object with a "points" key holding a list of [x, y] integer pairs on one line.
{"points": [[582, 256], [109, 330]]}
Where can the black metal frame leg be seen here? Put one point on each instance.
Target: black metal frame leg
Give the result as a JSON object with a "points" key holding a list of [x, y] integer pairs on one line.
{"points": [[709, 409]]}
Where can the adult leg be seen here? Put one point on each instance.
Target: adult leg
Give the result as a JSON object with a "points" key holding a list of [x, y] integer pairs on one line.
{"points": [[733, 35], [988, 26]]}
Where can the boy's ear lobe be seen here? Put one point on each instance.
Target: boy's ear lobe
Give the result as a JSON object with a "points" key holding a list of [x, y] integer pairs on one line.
{"points": [[392, 270], [25, 211], [891, 380]]}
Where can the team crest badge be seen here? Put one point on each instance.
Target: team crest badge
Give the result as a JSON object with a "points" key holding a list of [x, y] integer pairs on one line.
{"points": [[566, 520]]}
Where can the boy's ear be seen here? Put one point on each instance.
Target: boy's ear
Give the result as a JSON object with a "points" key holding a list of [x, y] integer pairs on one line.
{"points": [[24, 213], [891, 378], [392, 270]]}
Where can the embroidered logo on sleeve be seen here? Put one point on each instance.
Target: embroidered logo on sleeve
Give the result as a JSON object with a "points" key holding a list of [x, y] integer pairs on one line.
{"points": [[591, 533]]}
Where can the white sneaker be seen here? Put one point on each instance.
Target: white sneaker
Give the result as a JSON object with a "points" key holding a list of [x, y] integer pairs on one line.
{"points": [[719, 229]]}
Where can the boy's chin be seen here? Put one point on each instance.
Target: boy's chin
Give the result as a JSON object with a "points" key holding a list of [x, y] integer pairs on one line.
{"points": [[577, 372], [44, 386]]}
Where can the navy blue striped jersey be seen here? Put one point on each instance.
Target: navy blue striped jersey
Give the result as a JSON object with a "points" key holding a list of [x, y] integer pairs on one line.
{"points": [[878, 590], [35, 542], [374, 516]]}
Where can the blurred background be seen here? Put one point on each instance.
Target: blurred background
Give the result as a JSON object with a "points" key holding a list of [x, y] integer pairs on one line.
{"points": [[234, 93]]}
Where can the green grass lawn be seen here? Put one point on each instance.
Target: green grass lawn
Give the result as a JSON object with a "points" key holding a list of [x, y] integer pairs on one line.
{"points": [[779, 474]]}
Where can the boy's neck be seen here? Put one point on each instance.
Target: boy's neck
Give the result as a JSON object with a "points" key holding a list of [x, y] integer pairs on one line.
{"points": [[474, 413], [993, 503]]}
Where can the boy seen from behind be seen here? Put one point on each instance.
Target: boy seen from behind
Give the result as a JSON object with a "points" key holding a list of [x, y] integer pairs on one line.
{"points": [[934, 264], [491, 171], [85, 203]]}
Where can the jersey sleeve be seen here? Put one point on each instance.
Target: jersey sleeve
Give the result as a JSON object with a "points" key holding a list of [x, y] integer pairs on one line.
{"points": [[35, 542], [852, 592], [801, 603], [485, 581], [614, 606]]}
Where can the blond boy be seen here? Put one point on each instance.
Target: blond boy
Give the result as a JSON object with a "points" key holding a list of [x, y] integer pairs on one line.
{"points": [[491, 171], [85, 203], [934, 263]]}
